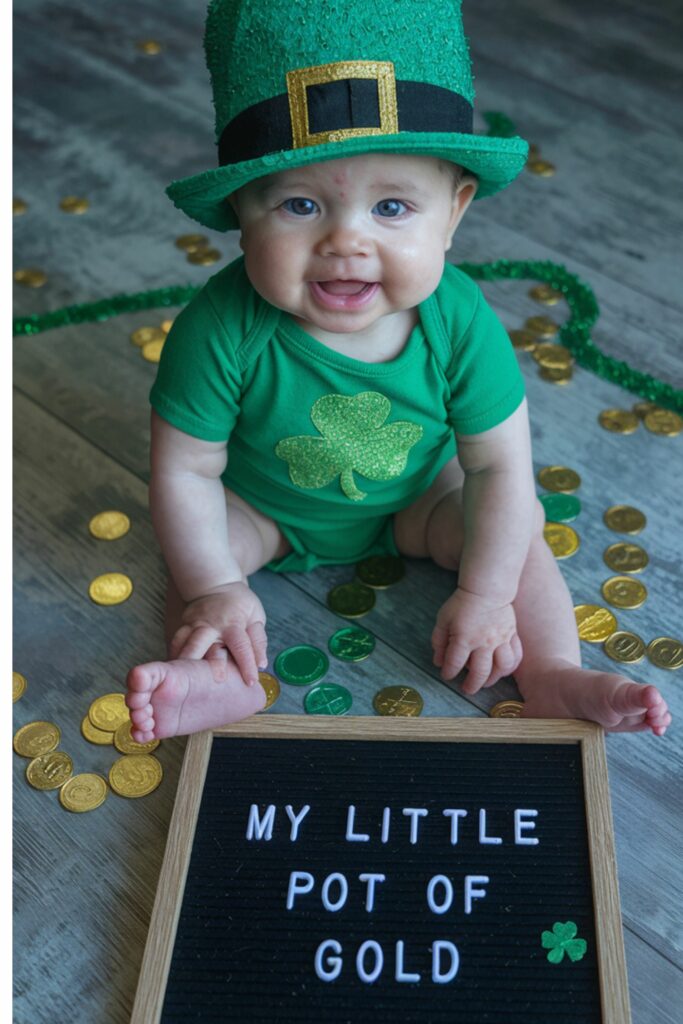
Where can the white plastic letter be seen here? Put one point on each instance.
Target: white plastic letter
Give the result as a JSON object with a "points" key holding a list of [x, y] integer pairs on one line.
{"points": [[471, 893], [414, 813], [446, 883], [333, 963], [296, 820], [454, 815], [343, 891], [370, 893], [374, 974], [351, 836], [259, 825], [437, 976], [400, 973], [483, 838], [521, 824], [295, 888], [386, 821]]}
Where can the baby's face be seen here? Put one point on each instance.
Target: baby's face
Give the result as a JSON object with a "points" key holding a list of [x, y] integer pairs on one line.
{"points": [[340, 244]]}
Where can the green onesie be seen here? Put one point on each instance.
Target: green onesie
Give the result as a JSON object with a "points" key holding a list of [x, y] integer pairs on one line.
{"points": [[326, 445]]}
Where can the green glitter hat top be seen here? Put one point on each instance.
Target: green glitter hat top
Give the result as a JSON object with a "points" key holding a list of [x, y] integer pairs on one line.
{"points": [[309, 80]]}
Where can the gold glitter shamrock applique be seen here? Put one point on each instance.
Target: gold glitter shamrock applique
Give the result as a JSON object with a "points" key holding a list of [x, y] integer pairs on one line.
{"points": [[353, 440], [562, 940]]}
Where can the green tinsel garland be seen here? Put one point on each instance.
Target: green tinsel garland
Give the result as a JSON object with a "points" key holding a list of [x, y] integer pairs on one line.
{"points": [[575, 333]]}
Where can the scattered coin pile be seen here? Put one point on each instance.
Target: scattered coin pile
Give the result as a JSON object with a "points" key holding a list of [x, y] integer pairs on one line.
{"points": [[555, 361], [107, 722], [536, 164], [198, 249], [663, 422], [150, 340]]}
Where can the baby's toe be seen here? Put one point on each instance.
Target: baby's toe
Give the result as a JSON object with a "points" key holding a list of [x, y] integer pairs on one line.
{"points": [[138, 701], [652, 699], [140, 679], [142, 735]]}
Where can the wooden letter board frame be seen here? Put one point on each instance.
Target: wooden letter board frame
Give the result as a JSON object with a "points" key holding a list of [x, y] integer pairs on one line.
{"points": [[590, 737]]}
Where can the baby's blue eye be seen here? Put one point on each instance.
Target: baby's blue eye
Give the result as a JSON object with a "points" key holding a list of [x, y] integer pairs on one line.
{"points": [[390, 208], [300, 206]]}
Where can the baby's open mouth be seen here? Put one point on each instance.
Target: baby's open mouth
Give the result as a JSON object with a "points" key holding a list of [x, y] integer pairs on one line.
{"points": [[344, 287]]}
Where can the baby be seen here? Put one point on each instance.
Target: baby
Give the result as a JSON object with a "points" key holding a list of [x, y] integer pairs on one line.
{"points": [[340, 390]]}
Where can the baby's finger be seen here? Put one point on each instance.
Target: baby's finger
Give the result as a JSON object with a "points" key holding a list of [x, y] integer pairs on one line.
{"points": [[178, 640], [439, 644], [217, 652], [239, 644], [517, 650], [259, 641], [455, 659], [504, 660], [478, 669], [198, 642]]}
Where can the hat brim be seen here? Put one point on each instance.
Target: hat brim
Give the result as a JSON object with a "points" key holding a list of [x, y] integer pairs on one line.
{"points": [[496, 162]]}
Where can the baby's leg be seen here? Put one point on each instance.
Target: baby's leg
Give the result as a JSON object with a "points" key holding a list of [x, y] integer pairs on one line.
{"points": [[170, 698], [549, 676]]}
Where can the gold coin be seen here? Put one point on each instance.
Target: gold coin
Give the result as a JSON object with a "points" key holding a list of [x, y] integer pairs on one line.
{"points": [[109, 525], [562, 540], [559, 479], [507, 709], [526, 340], [541, 167], [594, 623], [191, 242], [641, 409], [83, 792], [553, 356], [18, 686], [625, 557], [665, 652], [149, 46], [381, 571], [31, 277], [152, 350], [542, 325], [145, 334], [272, 688], [624, 592], [49, 771], [624, 646], [36, 738], [74, 204], [556, 375], [203, 257], [624, 519], [101, 737], [166, 326], [124, 742], [546, 295], [135, 775], [351, 600], [110, 588], [398, 701], [663, 422], [109, 712], [19, 206], [618, 421]]}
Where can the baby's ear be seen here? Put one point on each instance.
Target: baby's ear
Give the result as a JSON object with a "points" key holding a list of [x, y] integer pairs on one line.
{"points": [[462, 197]]}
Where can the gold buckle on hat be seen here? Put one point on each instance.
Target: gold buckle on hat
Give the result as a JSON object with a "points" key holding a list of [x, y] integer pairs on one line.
{"points": [[299, 80]]}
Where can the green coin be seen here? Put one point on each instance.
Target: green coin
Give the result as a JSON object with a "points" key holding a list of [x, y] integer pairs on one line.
{"points": [[351, 644], [301, 665], [328, 699], [380, 571], [560, 508], [351, 600]]}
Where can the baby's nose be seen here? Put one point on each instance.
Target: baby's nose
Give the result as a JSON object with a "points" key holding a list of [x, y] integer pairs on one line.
{"points": [[345, 238]]}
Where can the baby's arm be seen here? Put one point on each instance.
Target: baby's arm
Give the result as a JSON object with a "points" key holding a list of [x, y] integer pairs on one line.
{"points": [[188, 508], [476, 626]]}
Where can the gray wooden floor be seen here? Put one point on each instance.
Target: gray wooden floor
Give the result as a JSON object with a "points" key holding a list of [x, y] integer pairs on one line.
{"points": [[597, 85]]}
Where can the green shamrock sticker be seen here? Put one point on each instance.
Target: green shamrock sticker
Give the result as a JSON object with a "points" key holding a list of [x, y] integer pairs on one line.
{"points": [[562, 940], [354, 440]]}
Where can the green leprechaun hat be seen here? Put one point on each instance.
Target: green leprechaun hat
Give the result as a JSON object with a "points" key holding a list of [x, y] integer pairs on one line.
{"points": [[301, 81]]}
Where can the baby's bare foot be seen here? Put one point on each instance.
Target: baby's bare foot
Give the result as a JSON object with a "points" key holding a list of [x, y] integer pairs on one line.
{"points": [[558, 689], [173, 698]]}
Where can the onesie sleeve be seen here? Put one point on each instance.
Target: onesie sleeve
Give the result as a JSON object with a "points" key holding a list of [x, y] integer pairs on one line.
{"points": [[486, 384], [198, 383]]}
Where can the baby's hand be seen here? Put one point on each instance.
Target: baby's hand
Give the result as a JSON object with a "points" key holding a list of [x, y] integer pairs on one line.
{"points": [[232, 617], [473, 631]]}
